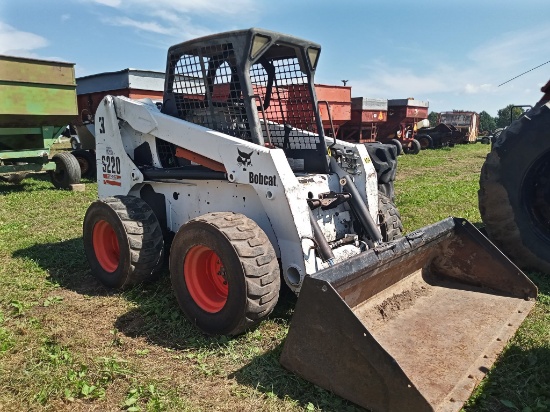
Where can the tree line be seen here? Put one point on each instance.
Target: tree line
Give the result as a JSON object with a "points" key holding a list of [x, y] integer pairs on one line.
{"points": [[488, 123]]}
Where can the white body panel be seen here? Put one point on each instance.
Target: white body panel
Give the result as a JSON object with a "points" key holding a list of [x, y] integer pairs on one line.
{"points": [[261, 185]]}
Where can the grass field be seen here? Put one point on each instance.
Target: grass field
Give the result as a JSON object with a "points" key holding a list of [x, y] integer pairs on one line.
{"points": [[68, 344]]}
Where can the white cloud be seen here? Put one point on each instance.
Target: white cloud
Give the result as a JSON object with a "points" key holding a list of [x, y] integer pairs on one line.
{"points": [[512, 49], [478, 88], [471, 83], [150, 26], [19, 43], [110, 3], [175, 18], [181, 7]]}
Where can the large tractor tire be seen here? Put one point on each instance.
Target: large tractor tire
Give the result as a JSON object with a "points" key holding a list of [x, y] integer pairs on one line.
{"points": [[86, 161], [67, 171], [384, 159], [224, 273], [122, 241], [389, 219], [514, 194]]}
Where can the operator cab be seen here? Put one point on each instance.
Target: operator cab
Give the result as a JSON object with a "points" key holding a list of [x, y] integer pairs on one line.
{"points": [[255, 85]]}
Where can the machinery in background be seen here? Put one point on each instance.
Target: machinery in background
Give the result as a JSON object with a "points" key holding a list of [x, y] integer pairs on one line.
{"points": [[38, 101]]}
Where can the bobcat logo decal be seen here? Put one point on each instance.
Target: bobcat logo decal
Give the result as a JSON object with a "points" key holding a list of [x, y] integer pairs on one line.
{"points": [[244, 159]]}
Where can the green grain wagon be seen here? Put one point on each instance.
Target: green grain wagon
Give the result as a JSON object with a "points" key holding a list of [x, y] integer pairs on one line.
{"points": [[38, 101]]}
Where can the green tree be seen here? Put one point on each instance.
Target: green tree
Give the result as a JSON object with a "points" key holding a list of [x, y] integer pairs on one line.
{"points": [[487, 123], [432, 117], [503, 117]]}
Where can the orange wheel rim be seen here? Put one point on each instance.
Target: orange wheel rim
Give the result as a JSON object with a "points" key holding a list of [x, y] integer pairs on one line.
{"points": [[205, 278], [106, 247]]}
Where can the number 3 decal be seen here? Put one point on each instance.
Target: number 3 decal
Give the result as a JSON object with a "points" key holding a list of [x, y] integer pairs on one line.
{"points": [[101, 125]]}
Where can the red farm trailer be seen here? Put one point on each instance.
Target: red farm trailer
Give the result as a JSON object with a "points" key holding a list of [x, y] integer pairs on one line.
{"points": [[366, 115], [400, 127]]}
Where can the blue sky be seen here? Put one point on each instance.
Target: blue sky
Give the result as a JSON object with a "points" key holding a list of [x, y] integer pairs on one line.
{"points": [[452, 53]]}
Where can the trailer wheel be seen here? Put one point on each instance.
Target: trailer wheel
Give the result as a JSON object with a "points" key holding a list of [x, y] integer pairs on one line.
{"points": [[425, 141], [399, 146], [122, 241], [514, 194], [86, 161], [389, 219], [224, 273], [67, 171], [413, 147], [75, 144]]}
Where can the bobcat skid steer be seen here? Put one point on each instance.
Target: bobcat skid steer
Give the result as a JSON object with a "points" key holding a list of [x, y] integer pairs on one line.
{"points": [[236, 174]]}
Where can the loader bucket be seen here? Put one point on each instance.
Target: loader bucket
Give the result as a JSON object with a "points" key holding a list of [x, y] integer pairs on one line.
{"points": [[411, 326]]}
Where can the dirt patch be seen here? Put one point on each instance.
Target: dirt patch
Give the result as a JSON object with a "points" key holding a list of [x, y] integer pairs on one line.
{"points": [[390, 307]]}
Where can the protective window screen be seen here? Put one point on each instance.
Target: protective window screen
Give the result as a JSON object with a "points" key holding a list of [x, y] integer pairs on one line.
{"points": [[284, 90], [208, 92]]}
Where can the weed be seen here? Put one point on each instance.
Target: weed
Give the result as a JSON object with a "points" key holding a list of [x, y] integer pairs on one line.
{"points": [[7, 341], [52, 300], [144, 396], [18, 307]]}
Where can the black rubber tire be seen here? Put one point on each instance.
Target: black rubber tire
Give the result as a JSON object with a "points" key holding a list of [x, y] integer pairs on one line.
{"points": [[389, 219], [514, 194], [426, 141], [413, 148], [485, 140], [384, 159], [86, 161], [251, 271], [67, 170], [75, 145], [399, 146], [139, 239]]}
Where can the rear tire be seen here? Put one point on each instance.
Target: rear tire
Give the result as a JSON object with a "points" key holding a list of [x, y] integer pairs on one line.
{"points": [[389, 219], [122, 241], [224, 273], [67, 171], [399, 146], [86, 161], [514, 194], [425, 141], [413, 148]]}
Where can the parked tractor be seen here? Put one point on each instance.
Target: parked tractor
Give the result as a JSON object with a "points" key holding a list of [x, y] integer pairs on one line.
{"points": [[514, 194], [237, 175]]}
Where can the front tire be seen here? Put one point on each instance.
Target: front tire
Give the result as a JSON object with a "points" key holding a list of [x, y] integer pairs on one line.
{"points": [[67, 171], [389, 219], [514, 194], [224, 273], [122, 241]]}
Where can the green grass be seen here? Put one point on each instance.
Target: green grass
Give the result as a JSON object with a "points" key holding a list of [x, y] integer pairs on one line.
{"points": [[67, 343]]}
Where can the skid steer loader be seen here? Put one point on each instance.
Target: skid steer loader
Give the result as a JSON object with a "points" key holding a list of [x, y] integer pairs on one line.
{"points": [[236, 174]]}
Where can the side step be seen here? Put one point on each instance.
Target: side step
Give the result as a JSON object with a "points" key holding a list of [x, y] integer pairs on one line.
{"points": [[412, 326]]}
